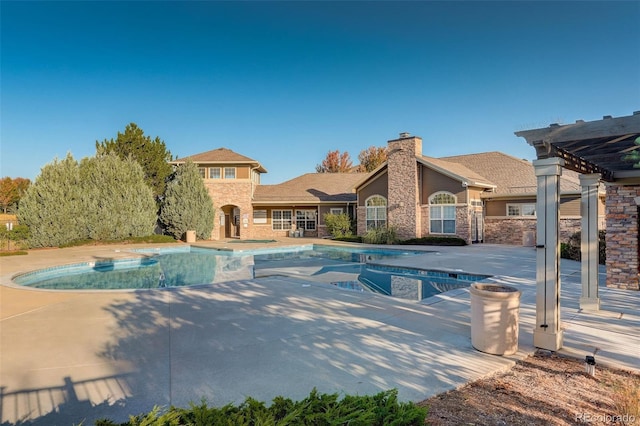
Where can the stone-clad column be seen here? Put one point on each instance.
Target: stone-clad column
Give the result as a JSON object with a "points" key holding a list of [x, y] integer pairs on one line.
{"points": [[589, 244], [403, 212], [547, 333]]}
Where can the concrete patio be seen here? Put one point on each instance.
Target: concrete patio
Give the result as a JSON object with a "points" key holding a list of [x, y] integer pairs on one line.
{"points": [[69, 356]]}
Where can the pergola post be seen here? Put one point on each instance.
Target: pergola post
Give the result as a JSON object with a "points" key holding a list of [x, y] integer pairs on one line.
{"points": [[547, 333], [589, 301]]}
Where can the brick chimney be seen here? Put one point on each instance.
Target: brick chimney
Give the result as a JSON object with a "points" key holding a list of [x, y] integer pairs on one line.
{"points": [[403, 209]]}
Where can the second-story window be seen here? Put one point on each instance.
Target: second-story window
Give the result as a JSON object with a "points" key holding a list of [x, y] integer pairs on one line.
{"points": [[229, 172], [215, 173]]}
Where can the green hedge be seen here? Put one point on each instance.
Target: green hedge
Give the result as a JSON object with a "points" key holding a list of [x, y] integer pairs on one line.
{"points": [[435, 241], [571, 248], [317, 410], [424, 241]]}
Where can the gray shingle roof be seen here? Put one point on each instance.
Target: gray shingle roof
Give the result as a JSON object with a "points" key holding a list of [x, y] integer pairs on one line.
{"points": [[458, 170], [221, 155], [511, 175], [311, 187]]}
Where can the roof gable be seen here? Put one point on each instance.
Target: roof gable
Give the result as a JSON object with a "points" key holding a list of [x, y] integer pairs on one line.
{"points": [[457, 171], [220, 156], [511, 175], [311, 187]]}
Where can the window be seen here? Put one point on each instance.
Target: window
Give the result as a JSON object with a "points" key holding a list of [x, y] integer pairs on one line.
{"points": [[442, 212], [336, 210], [259, 216], [306, 219], [528, 209], [214, 173], [376, 212], [202, 172], [281, 220], [229, 172]]}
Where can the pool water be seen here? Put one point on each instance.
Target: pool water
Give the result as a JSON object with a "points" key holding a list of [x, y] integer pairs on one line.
{"points": [[193, 266]]}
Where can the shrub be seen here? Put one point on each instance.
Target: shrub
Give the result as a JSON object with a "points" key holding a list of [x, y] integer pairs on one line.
{"points": [[351, 239], [381, 235], [571, 249], [102, 198], [186, 204], [338, 225], [116, 201], [50, 205], [19, 235], [13, 253], [435, 241], [316, 409]]}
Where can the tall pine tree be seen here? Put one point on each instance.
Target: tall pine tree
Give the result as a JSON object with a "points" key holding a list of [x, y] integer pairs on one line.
{"points": [[186, 204], [151, 154]]}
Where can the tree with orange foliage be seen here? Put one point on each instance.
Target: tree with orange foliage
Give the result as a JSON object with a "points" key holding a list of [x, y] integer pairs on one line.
{"points": [[335, 162], [11, 190], [372, 157]]}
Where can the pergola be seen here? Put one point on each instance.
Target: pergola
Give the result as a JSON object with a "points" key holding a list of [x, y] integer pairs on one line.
{"points": [[607, 150]]}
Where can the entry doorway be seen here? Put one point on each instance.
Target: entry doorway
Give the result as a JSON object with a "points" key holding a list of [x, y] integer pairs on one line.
{"points": [[229, 221]]}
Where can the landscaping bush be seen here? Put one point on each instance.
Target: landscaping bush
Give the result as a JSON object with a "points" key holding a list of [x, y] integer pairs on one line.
{"points": [[571, 248], [317, 409], [381, 235], [150, 239], [435, 241], [100, 198], [351, 239], [14, 239], [338, 225], [186, 205]]}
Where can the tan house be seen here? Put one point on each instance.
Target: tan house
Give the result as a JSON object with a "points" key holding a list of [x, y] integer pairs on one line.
{"points": [[487, 197]]}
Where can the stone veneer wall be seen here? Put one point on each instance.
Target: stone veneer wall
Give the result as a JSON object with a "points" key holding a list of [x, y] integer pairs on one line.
{"points": [[517, 231], [361, 217], [237, 194], [402, 170], [463, 223], [622, 236]]}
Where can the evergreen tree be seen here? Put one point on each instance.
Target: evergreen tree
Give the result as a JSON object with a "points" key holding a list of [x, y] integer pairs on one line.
{"points": [[102, 198], [152, 155], [186, 204], [51, 205], [116, 201]]}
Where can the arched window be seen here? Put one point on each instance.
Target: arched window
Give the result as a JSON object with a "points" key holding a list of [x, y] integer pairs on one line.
{"points": [[442, 212], [376, 212]]}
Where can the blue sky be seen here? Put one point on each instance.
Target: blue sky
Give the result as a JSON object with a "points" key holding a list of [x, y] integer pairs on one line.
{"points": [[286, 82]]}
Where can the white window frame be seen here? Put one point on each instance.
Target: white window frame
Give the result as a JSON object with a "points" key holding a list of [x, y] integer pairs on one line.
{"points": [[279, 221], [521, 210], [336, 210], [259, 216], [376, 216], [306, 219], [211, 175], [203, 172], [228, 174], [442, 215]]}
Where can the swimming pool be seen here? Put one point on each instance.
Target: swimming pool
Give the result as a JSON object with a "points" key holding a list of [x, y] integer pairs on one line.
{"points": [[188, 266]]}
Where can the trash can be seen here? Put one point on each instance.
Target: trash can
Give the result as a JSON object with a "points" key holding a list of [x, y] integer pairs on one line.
{"points": [[191, 236], [494, 318]]}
